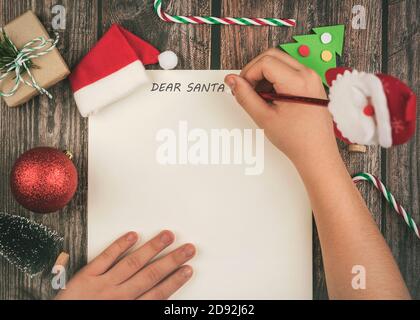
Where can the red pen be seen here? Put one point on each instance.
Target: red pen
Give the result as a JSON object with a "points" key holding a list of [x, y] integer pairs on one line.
{"points": [[270, 97]]}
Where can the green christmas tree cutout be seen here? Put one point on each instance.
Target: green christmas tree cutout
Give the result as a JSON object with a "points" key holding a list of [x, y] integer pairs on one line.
{"points": [[317, 51]]}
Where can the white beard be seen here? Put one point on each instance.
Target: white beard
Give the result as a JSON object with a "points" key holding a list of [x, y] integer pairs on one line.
{"points": [[349, 95]]}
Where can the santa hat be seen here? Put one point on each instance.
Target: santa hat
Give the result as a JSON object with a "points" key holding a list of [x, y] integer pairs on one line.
{"points": [[371, 109], [114, 68]]}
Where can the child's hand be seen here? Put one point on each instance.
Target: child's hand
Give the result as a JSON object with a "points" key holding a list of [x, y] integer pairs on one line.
{"points": [[300, 131], [132, 277]]}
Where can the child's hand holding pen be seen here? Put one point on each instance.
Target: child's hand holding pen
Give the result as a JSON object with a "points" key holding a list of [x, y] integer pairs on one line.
{"points": [[296, 129]]}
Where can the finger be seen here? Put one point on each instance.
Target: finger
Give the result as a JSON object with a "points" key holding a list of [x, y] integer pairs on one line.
{"points": [[278, 54], [284, 57], [110, 255], [169, 286], [132, 263], [282, 76], [149, 276], [248, 98]]}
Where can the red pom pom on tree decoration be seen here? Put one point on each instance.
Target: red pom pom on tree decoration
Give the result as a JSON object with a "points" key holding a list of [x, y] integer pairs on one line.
{"points": [[44, 179]]}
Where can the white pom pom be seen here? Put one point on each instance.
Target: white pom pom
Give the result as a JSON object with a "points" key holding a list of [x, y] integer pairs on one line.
{"points": [[168, 60]]}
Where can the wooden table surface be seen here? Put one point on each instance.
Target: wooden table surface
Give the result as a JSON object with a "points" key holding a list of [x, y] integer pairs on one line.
{"points": [[389, 44]]}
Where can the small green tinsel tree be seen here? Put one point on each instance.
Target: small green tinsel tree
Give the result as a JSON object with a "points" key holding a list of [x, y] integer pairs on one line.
{"points": [[29, 246]]}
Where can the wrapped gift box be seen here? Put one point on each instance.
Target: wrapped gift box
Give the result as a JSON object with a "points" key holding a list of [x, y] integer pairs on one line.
{"points": [[50, 68]]}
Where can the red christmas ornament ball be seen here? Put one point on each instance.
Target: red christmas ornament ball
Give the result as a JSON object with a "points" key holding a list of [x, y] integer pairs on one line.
{"points": [[43, 180]]}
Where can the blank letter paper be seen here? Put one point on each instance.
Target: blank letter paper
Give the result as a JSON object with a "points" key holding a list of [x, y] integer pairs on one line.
{"points": [[180, 154]]}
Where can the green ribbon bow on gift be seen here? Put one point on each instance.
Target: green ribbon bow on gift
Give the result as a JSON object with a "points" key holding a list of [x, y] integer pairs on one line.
{"points": [[19, 62]]}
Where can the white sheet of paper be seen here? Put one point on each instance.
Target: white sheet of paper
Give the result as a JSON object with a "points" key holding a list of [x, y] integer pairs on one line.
{"points": [[253, 233]]}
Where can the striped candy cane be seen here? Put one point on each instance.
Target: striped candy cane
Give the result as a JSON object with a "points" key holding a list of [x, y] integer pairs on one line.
{"points": [[216, 20], [389, 197]]}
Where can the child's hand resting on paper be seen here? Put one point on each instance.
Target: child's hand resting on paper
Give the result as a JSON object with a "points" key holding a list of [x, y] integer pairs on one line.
{"points": [[349, 236], [109, 276]]}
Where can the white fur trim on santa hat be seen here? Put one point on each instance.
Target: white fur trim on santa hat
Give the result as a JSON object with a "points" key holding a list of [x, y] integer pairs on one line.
{"points": [[111, 88], [350, 93]]}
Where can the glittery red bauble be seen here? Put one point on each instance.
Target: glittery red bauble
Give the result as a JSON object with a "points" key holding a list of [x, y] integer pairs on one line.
{"points": [[43, 180]]}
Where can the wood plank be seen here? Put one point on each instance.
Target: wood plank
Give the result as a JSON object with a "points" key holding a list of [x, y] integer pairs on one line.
{"points": [[402, 165], [52, 123], [190, 43], [362, 51], [240, 44], [42, 122]]}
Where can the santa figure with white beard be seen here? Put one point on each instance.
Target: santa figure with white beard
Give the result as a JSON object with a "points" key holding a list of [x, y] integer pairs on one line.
{"points": [[371, 109]]}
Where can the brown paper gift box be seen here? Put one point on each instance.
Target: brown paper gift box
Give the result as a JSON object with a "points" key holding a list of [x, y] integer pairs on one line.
{"points": [[51, 68]]}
